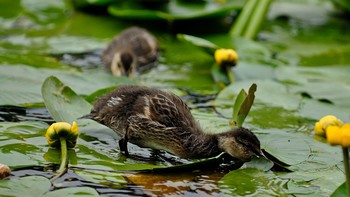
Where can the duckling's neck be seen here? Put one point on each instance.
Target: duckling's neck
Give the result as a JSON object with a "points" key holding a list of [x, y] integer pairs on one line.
{"points": [[202, 145]]}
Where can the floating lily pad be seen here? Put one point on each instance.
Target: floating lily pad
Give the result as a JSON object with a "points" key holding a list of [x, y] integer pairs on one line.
{"points": [[206, 45], [307, 182], [174, 10], [40, 186], [269, 93], [253, 182], [290, 148], [25, 90], [23, 143], [328, 84]]}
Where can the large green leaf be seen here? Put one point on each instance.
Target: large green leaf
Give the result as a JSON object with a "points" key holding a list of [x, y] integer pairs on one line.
{"points": [[58, 97]]}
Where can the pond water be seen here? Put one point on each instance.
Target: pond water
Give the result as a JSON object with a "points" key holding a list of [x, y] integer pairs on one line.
{"points": [[299, 61]]}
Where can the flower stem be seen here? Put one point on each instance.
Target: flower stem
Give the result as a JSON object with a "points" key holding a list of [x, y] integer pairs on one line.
{"points": [[230, 75], [64, 160], [347, 168]]}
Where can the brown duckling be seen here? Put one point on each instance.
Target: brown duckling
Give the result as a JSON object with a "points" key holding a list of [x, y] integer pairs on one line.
{"points": [[132, 50], [160, 120]]}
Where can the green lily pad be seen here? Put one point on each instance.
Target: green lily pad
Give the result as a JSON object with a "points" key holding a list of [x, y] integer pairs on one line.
{"points": [[174, 10], [109, 178], [40, 186], [319, 83], [270, 94], [206, 45], [308, 182], [74, 191], [252, 182], [56, 94], [22, 144], [25, 90], [30, 185], [290, 148]]}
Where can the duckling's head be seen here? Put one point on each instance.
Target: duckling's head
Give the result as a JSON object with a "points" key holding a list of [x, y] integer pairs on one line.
{"points": [[240, 143], [123, 63]]}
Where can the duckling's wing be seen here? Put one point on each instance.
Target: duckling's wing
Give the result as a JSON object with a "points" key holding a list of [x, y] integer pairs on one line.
{"points": [[147, 133], [170, 110]]}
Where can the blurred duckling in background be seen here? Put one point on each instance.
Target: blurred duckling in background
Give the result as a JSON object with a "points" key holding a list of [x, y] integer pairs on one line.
{"points": [[160, 120], [133, 50]]}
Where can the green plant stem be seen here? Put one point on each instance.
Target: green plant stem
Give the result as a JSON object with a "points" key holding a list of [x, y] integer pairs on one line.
{"points": [[243, 18], [347, 168], [64, 160], [257, 19], [230, 75]]}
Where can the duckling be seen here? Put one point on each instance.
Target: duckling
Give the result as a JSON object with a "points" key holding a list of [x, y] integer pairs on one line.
{"points": [[132, 50], [160, 120]]}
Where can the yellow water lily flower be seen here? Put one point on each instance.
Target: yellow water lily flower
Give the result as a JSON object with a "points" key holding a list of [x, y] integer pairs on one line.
{"points": [[345, 130], [226, 57], [339, 135], [62, 129], [334, 135], [321, 126]]}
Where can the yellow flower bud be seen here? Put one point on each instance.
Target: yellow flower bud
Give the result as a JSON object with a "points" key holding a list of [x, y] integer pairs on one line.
{"points": [[321, 126], [226, 57], [62, 129], [334, 135], [345, 129]]}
